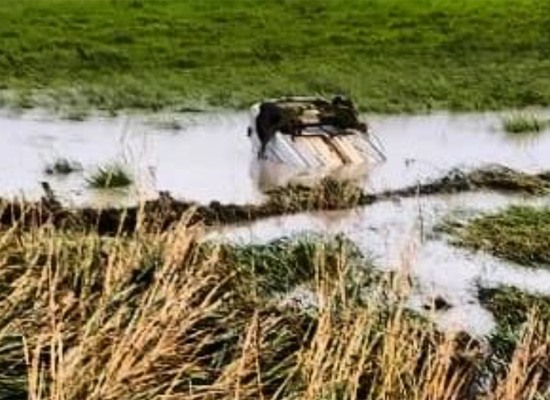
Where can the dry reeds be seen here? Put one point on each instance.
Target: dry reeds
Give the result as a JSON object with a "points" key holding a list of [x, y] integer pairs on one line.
{"points": [[165, 316]]}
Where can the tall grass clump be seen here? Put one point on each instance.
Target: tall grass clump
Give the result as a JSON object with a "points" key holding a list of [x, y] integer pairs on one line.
{"points": [[109, 176], [523, 123], [160, 316], [165, 315]]}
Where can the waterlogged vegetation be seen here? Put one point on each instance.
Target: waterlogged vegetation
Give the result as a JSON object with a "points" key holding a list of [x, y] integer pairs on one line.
{"points": [[520, 317], [520, 234], [523, 123], [287, 263], [110, 176], [512, 307], [389, 55], [155, 305], [490, 177], [87, 315], [327, 194]]}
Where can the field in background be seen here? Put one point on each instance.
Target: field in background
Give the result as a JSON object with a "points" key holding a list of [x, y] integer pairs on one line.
{"points": [[390, 55]]}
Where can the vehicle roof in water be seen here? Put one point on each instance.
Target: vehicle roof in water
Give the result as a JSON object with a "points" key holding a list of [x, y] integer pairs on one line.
{"points": [[301, 103], [309, 110]]}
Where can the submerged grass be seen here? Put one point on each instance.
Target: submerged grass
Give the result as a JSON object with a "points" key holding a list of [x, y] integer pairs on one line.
{"points": [[520, 234], [110, 176], [502, 178], [523, 123], [62, 166], [329, 194], [390, 55]]}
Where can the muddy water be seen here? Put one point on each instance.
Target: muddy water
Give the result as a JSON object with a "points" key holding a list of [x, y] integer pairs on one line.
{"points": [[401, 236], [206, 156]]}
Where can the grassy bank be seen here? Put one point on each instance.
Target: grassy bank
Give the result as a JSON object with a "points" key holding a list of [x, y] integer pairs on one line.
{"points": [[390, 55], [156, 316], [520, 234]]}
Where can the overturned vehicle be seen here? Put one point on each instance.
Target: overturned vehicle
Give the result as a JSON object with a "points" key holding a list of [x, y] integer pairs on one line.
{"points": [[310, 136]]}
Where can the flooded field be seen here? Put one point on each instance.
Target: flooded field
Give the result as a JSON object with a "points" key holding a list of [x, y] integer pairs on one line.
{"points": [[403, 235], [202, 157], [206, 156], [389, 240]]}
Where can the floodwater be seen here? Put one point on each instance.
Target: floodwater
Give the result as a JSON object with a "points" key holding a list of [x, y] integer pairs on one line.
{"points": [[400, 236], [207, 156], [419, 147]]}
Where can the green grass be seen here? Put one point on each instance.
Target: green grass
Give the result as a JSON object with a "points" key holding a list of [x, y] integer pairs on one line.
{"points": [[511, 307], [110, 176], [286, 263], [519, 234], [514, 311], [523, 123], [389, 55]]}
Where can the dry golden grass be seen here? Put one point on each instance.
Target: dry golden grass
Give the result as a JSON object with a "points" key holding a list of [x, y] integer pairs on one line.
{"points": [[165, 316]]}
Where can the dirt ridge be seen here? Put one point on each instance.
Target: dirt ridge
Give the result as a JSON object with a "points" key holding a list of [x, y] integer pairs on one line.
{"points": [[162, 213]]}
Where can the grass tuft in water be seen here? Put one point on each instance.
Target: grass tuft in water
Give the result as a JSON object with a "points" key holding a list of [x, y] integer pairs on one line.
{"points": [[110, 176], [523, 123], [62, 166]]}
